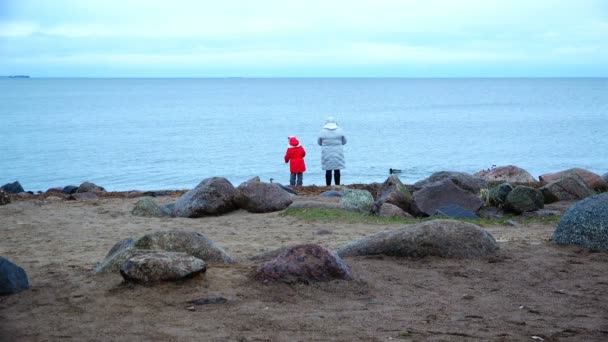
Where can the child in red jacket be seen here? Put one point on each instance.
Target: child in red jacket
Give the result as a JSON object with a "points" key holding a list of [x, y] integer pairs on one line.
{"points": [[295, 153]]}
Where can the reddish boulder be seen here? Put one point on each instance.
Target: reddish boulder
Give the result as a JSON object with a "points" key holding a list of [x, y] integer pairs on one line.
{"points": [[304, 263], [508, 173], [593, 180]]}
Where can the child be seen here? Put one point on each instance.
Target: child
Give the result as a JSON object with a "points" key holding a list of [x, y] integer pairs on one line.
{"points": [[295, 153]]}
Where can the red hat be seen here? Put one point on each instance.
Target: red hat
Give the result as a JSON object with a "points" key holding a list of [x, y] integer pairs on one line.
{"points": [[293, 141]]}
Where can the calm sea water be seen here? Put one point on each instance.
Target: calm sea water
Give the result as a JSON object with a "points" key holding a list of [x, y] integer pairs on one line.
{"points": [[150, 134]]}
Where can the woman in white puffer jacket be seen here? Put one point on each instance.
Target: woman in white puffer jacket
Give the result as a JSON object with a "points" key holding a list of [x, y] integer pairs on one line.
{"points": [[331, 138]]}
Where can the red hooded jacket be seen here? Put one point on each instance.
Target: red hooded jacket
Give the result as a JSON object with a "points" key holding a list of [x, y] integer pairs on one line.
{"points": [[295, 153]]}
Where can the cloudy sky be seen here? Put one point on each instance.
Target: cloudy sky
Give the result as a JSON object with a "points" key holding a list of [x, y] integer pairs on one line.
{"points": [[312, 38]]}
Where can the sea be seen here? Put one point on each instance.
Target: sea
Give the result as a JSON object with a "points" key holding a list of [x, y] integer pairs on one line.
{"points": [[161, 133]]}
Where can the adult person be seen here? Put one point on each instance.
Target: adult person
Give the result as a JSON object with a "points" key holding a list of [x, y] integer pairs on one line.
{"points": [[331, 138]]}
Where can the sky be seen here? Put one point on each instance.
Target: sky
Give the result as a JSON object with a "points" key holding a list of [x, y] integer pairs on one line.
{"points": [[312, 38]]}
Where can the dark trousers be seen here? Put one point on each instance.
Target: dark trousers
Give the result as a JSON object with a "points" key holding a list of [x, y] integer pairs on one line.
{"points": [[296, 179], [328, 177]]}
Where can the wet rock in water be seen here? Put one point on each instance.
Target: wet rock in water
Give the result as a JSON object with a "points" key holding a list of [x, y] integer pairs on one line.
{"points": [[395, 193], [4, 198], [456, 212], [148, 208], [524, 198], [260, 197], [150, 266], [585, 224], [441, 193], [12, 188], [212, 196], [388, 210], [304, 263], [465, 181], [13, 278], [360, 201], [83, 196], [593, 180], [190, 242], [317, 205], [507, 173], [498, 194], [117, 255], [571, 187], [443, 238], [89, 187], [70, 189]]}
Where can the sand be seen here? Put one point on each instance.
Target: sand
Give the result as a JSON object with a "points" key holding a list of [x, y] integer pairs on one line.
{"points": [[531, 290]]}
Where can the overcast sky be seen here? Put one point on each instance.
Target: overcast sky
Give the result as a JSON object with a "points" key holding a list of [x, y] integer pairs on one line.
{"points": [[311, 38]]}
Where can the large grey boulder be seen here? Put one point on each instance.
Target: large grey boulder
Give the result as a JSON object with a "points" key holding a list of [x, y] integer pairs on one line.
{"points": [[462, 180], [12, 188], [443, 238], [191, 242], [571, 187], [593, 180], [259, 197], [304, 263], [117, 255], [524, 198], [441, 193], [13, 278], [148, 208], [154, 266], [89, 187], [395, 193], [4, 198], [498, 194], [507, 173], [585, 224], [212, 196], [360, 201]]}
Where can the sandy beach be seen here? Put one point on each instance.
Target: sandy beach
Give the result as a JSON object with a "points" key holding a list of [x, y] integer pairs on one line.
{"points": [[531, 290]]}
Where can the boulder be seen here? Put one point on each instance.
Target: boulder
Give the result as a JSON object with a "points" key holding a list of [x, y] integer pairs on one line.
{"points": [[456, 212], [12, 188], [81, 196], [260, 197], [585, 224], [360, 201], [213, 196], [571, 187], [89, 187], [593, 180], [395, 193], [70, 189], [524, 198], [149, 266], [465, 181], [508, 173], [605, 177], [304, 263], [441, 193], [148, 208], [191, 242], [13, 278], [331, 193], [117, 255], [388, 210], [56, 190], [498, 194], [4, 198], [442, 238], [317, 205]]}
